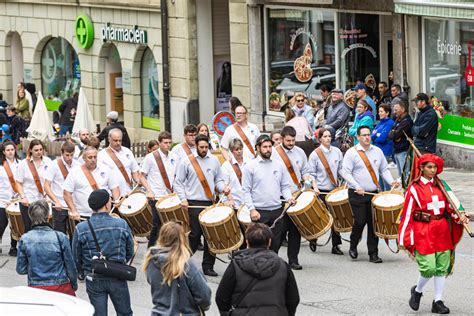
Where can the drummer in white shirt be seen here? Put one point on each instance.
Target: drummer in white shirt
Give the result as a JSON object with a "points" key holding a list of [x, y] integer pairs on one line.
{"points": [[77, 187], [29, 190], [250, 131], [58, 170], [125, 158], [8, 161], [190, 132], [151, 178], [232, 172]]}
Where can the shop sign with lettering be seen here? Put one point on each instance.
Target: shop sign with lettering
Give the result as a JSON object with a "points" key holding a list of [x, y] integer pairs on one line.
{"points": [[132, 35]]}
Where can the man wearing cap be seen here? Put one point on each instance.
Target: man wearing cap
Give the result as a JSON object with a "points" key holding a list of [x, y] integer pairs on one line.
{"points": [[425, 127], [337, 114], [264, 180], [115, 240], [112, 122], [361, 91]]}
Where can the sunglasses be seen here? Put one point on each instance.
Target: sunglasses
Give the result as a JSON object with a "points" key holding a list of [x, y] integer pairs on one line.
{"points": [[300, 100]]}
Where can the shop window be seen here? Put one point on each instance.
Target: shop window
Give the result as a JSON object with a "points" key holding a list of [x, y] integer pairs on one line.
{"points": [[300, 54], [60, 72], [149, 92]]}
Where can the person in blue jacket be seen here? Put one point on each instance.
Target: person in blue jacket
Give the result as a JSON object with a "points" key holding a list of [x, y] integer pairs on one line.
{"points": [[364, 117], [380, 137]]}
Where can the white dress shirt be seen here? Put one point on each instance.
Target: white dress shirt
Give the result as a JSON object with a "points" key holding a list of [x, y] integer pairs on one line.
{"points": [[6, 190], [298, 160], [318, 172], [232, 180], [153, 175], [56, 178], [252, 133], [25, 177], [180, 153]]}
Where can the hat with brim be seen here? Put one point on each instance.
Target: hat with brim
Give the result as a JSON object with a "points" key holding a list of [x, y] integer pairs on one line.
{"points": [[438, 161]]}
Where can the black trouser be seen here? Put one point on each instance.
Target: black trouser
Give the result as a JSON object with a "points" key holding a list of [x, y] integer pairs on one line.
{"points": [[279, 231], [156, 224], [208, 259], [60, 220], [25, 218], [362, 209], [335, 236], [3, 226]]}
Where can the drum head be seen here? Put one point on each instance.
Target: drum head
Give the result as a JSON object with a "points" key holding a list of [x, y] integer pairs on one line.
{"points": [[168, 202], [389, 200], [338, 196], [305, 199], [13, 207], [244, 214], [215, 214], [133, 203]]}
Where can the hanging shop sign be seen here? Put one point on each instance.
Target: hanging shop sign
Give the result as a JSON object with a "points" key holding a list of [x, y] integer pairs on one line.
{"points": [[84, 31], [132, 35]]}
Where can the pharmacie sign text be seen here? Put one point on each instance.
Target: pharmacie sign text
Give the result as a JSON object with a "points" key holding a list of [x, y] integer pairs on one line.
{"points": [[119, 34]]}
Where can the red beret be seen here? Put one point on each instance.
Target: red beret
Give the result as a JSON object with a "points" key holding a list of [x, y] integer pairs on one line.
{"points": [[438, 161]]}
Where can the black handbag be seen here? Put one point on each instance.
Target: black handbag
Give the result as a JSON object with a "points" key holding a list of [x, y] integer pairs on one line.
{"points": [[109, 268]]}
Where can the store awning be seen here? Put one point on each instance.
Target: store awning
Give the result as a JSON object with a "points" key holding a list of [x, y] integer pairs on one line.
{"points": [[453, 9]]}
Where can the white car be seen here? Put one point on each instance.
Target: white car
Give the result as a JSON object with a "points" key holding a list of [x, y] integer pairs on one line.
{"points": [[23, 300]]}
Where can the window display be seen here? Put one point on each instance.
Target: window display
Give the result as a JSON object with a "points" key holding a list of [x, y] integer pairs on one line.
{"points": [[149, 92]]}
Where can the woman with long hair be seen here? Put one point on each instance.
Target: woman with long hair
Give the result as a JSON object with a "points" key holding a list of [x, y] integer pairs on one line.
{"points": [[22, 105], [8, 165], [364, 117], [177, 285]]}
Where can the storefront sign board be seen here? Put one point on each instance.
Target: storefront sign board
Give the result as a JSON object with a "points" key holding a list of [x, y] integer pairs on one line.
{"points": [[457, 129]]}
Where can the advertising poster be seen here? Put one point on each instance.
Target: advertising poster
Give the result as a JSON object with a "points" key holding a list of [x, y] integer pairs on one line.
{"points": [[223, 85]]}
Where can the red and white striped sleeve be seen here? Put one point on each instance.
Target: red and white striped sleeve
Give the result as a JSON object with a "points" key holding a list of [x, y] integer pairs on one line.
{"points": [[405, 230]]}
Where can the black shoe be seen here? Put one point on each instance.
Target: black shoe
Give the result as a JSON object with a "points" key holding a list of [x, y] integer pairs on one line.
{"points": [[353, 253], [210, 272], [13, 252], [336, 251], [295, 266], [313, 245], [415, 298], [438, 307], [81, 276], [375, 259], [284, 243], [200, 247]]}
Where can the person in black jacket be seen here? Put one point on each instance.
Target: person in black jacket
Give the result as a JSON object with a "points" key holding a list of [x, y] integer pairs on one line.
{"points": [[425, 127], [17, 124], [257, 281], [403, 125], [68, 111], [112, 118]]}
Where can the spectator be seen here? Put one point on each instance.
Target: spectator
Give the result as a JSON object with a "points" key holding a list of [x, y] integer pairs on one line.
{"points": [[257, 281], [425, 127], [361, 91], [178, 287], [403, 125], [381, 140], [322, 105], [3, 104], [22, 105], [112, 122], [5, 133], [302, 109], [397, 96], [68, 111], [303, 131], [17, 124], [337, 114], [116, 243], [45, 255], [385, 96], [364, 117]]}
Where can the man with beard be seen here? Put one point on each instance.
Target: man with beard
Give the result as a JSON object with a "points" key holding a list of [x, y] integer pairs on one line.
{"points": [[83, 142], [337, 114], [197, 177], [384, 92]]}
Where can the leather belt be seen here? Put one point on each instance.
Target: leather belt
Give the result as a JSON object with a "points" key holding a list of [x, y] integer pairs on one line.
{"points": [[420, 216]]}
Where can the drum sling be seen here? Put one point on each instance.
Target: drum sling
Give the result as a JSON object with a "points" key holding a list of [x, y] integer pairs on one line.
{"points": [[35, 175], [201, 177], [9, 172], [371, 171], [62, 167], [90, 178], [161, 167], [237, 171], [119, 165], [325, 163], [288, 165], [244, 137], [186, 149]]}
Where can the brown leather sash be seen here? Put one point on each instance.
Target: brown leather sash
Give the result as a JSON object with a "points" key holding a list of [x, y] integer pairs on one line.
{"points": [[9, 172], [35, 175], [161, 167], [237, 171], [90, 178], [62, 167], [369, 167], [201, 177], [119, 165], [244, 137], [186, 149], [325, 163], [288, 165]]}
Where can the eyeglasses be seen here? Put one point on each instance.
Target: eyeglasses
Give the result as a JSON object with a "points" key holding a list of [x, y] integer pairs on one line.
{"points": [[240, 113], [300, 100]]}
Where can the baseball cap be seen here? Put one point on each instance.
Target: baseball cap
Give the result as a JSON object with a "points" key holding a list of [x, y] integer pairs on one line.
{"points": [[113, 115], [421, 97], [359, 86]]}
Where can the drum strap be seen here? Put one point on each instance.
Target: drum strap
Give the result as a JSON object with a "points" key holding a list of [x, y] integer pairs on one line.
{"points": [[119, 165], [90, 178], [244, 137], [62, 167], [9, 172], [161, 167], [186, 149], [201, 177], [364, 158], [288, 165], [35, 175], [237, 171], [325, 163]]}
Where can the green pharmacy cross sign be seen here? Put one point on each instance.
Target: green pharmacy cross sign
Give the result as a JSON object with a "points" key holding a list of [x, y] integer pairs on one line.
{"points": [[84, 31]]}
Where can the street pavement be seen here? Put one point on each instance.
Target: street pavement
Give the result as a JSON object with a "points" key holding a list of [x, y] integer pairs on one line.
{"points": [[330, 284]]}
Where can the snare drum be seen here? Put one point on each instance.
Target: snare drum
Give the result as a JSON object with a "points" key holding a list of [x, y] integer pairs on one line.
{"points": [[386, 208], [169, 209], [338, 203], [310, 216], [14, 217], [243, 215], [221, 229], [136, 211]]}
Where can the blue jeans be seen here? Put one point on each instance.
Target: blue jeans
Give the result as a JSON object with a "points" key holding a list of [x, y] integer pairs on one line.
{"points": [[99, 290], [400, 161], [63, 129]]}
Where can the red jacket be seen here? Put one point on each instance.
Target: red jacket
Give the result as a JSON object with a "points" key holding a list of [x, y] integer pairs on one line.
{"points": [[427, 237]]}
